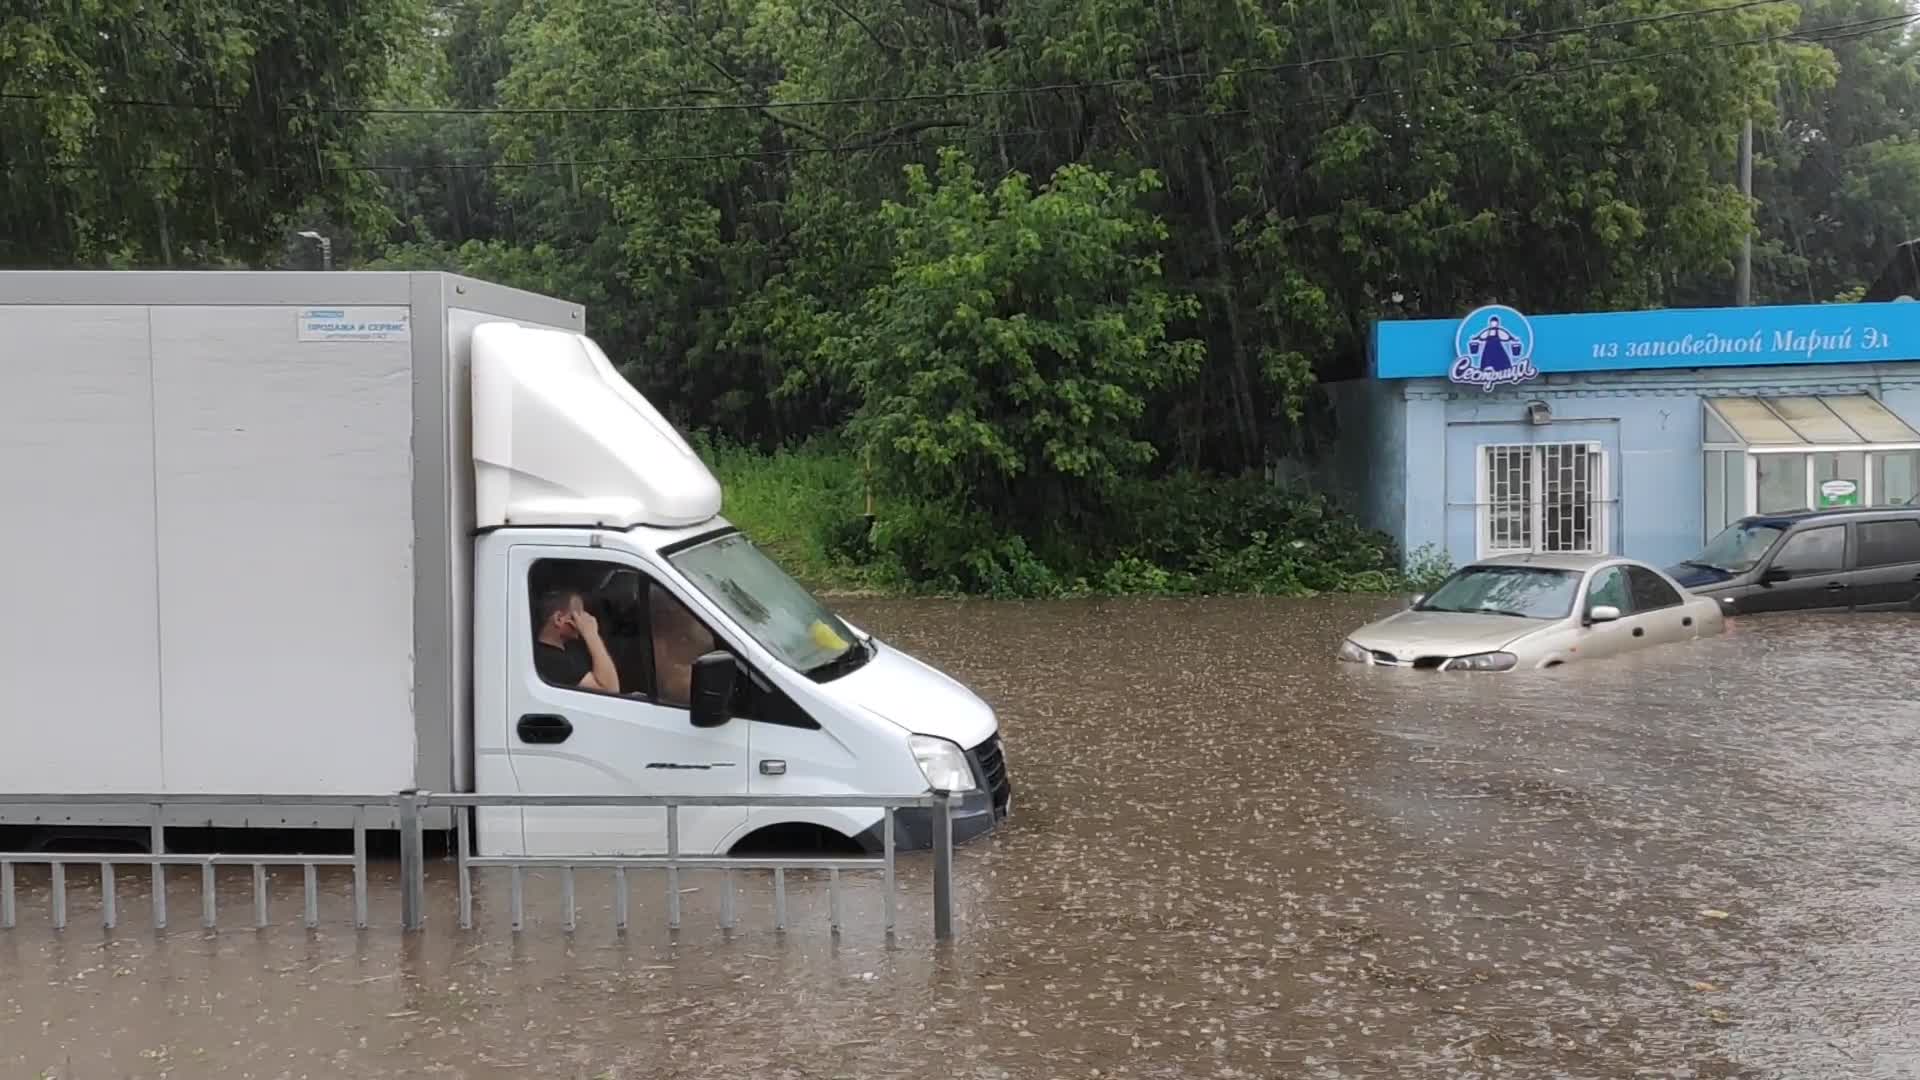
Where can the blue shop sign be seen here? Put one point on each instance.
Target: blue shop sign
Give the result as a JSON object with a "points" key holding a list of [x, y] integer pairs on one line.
{"points": [[1498, 346]]}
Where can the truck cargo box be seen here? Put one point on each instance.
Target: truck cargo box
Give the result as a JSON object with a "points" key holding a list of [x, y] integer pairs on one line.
{"points": [[231, 497]]}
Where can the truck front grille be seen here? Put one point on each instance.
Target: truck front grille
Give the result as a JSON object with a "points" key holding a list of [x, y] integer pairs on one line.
{"points": [[991, 763]]}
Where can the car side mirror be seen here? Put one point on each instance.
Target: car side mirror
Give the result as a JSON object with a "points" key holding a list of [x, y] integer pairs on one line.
{"points": [[713, 679], [1775, 575], [1603, 613], [1414, 602]]}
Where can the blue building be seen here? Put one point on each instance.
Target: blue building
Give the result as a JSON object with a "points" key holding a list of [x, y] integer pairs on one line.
{"points": [[1637, 433]]}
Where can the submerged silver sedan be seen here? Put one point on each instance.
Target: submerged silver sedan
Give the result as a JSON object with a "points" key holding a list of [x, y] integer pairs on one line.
{"points": [[1536, 611]]}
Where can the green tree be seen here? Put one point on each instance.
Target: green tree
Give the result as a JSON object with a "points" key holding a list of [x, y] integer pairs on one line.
{"points": [[710, 271], [1323, 167], [166, 134], [1326, 166], [1837, 183], [1005, 363]]}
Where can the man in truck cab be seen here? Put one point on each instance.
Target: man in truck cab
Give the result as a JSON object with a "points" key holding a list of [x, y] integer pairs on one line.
{"points": [[567, 650]]}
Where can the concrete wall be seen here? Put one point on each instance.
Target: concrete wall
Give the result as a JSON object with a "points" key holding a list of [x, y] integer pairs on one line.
{"points": [[1648, 423]]}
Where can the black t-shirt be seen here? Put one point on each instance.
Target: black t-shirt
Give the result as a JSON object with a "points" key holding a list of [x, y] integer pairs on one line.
{"points": [[561, 666]]}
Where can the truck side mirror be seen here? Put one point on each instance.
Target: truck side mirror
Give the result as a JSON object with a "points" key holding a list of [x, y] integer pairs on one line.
{"points": [[713, 679]]}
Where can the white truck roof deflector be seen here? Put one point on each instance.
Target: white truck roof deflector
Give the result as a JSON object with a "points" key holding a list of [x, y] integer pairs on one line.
{"points": [[560, 438]]}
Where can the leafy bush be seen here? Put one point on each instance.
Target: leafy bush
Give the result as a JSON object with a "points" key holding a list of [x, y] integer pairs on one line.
{"points": [[1427, 567], [1179, 534], [1243, 534], [1004, 364], [945, 548]]}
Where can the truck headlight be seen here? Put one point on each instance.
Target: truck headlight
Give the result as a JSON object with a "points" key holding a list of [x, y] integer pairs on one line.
{"points": [[1486, 661], [1354, 654], [942, 763]]}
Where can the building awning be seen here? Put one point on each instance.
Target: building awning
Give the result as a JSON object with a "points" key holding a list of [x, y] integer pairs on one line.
{"points": [[1845, 422]]}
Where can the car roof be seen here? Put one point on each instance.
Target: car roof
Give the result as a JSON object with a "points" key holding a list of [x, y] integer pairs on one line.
{"points": [[1788, 518], [1552, 561]]}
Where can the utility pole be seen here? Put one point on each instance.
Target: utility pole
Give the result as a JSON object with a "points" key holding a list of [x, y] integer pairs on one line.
{"points": [[1743, 283]]}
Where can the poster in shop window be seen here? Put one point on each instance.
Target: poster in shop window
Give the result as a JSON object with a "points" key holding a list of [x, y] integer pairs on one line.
{"points": [[1839, 493]]}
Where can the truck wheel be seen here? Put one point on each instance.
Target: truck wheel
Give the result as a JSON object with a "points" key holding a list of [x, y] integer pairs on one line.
{"points": [[794, 838]]}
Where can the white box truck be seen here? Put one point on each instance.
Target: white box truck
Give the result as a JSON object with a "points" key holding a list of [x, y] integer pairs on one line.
{"points": [[300, 534]]}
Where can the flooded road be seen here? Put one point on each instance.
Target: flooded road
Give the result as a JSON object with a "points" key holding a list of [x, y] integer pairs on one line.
{"points": [[1229, 858]]}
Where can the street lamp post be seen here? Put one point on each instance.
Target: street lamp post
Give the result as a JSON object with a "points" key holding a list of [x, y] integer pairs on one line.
{"points": [[326, 247]]}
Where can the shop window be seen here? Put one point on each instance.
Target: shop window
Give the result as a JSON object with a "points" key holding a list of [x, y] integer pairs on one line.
{"points": [[1771, 455], [1726, 487], [1716, 491], [1782, 482], [1736, 477], [1545, 497], [1896, 477], [1839, 479], [1509, 503]]}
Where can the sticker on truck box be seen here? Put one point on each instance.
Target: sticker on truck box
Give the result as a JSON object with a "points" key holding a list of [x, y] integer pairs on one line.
{"points": [[355, 324]]}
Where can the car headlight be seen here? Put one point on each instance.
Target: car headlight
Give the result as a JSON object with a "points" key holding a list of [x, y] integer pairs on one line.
{"points": [[942, 763], [1486, 661], [1354, 653]]}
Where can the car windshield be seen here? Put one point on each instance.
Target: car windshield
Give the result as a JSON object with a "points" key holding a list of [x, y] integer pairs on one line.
{"points": [[1531, 592], [776, 610], [1738, 548]]}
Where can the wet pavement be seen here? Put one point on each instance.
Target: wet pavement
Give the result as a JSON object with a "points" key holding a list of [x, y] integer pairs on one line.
{"points": [[1230, 858]]}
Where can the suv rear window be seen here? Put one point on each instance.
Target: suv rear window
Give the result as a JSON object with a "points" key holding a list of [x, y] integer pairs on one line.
{"points": [[1889, 543]]}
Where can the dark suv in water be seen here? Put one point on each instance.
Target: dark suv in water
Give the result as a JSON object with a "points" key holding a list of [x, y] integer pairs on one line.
{"points": [[1858, 558]]}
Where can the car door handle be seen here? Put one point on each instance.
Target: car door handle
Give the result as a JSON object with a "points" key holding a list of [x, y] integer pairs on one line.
{"points": [[1834, 586], [544, 728], [1639, 631]]}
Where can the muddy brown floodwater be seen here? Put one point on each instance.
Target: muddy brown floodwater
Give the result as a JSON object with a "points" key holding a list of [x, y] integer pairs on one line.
{"points": [[1229, 858]]}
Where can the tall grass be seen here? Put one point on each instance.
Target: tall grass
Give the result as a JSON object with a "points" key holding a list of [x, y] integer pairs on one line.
{"points": [[792, 502]]}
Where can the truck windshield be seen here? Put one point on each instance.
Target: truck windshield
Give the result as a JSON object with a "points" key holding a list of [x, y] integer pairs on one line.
{"points": [[776, 610]]}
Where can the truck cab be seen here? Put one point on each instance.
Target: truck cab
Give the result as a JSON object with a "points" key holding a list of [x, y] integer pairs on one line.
{"points": [[730, 678]]}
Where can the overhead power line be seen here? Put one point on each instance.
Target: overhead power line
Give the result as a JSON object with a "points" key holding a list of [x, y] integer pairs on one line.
{"points": [[1868, 26], [1152, 78]]}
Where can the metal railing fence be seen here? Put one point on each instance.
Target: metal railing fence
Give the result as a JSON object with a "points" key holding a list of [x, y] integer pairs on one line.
{"points": [[408, 808]]}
